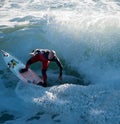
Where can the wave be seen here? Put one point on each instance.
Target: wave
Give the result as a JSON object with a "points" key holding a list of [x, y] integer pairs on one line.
{"points": [[85, 36], [88, 40]]}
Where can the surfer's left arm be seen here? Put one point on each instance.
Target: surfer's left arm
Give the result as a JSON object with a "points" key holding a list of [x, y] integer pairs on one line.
{"points": [[56, 59]]}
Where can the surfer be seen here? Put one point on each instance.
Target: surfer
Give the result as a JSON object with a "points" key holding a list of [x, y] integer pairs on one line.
{"points": [[45, 56]]}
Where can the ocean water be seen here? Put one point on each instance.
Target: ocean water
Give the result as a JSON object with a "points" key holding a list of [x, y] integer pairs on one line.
{"points": [[86, 36]]}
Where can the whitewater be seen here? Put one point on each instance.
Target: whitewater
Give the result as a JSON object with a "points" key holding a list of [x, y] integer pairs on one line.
{"points": [[86, 36]]}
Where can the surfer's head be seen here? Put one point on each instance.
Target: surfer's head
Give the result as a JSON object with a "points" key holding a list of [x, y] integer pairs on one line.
{"points": [[51, 54], [34, 52]]}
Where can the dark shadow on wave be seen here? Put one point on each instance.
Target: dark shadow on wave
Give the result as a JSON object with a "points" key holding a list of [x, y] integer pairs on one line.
{"points": [[5, 116]]}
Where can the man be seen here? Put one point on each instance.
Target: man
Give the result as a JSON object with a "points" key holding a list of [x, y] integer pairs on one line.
{"points": [[45, 56]]}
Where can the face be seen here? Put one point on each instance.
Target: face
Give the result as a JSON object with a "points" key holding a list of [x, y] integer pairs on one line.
{"points": [[32, 54]]}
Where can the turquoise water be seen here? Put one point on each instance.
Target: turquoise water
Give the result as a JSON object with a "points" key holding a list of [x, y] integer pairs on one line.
{"points": [[85, 36]]}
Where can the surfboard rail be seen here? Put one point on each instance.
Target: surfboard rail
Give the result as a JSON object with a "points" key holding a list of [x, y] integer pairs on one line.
{"points": [[15, 65]]}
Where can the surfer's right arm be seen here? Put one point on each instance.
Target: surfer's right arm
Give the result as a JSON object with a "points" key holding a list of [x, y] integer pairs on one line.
{"points": [[29, 62]]}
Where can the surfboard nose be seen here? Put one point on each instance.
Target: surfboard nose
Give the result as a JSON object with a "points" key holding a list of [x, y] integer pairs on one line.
{"points": [[4, 53]]}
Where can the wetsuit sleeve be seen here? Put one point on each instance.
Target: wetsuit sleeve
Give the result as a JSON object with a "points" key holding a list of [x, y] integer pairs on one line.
{"points": [[29, 62], [56, 59], [32, 60]]}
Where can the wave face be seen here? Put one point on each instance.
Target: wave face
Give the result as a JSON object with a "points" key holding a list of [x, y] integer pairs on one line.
{"points": [[84, 33], [86, 36]]}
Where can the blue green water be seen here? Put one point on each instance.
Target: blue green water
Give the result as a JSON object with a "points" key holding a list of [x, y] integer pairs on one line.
{"points": [[85, 36]]}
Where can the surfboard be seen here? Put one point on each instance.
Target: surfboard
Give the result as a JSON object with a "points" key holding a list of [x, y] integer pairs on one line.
{"points": [[15, 65]]}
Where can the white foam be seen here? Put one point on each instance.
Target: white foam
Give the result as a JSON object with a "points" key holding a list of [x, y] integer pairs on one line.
{"points": [[87, 33]]}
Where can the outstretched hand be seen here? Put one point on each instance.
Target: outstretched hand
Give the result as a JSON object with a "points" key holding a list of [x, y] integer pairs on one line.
{"points": [[23, 70], [60, 78]]}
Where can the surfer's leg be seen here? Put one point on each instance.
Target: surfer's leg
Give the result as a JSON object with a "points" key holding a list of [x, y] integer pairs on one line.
{"points": [[44, 77], [42, 84], [44, 69]]}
